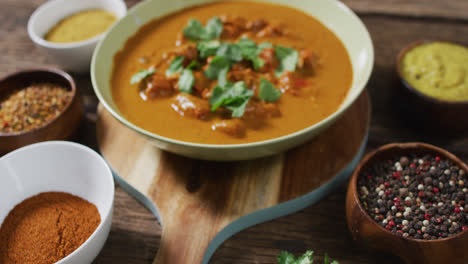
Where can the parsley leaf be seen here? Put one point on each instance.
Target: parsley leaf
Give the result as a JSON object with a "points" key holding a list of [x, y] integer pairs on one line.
{"points": [[193, 65], [306, 258], [288, 258], [186, 81], [268, 92], [263, 45], [195, 30], [287, 57], [250, 51], [176, 66], [218, 68], [233, 96], [208, 48], [214, 28], [141, 75], [230, 51]]}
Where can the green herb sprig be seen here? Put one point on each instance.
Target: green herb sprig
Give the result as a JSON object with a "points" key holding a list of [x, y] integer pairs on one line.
{"points": [[288, 58], [141, 75], [288, 258], [233, 96], [196, 31]]}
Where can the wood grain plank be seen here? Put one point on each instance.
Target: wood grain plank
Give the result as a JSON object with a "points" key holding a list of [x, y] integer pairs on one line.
{"points": [[446, 9], [135, 234], [197, 199]]}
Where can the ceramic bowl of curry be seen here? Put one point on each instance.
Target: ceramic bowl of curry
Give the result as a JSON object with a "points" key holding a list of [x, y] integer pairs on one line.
{"points": [[232, 80], [434, 85], [68, 31], [54, 169]]}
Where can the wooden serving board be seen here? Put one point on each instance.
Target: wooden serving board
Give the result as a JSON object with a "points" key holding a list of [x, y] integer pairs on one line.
{"points": [[200, 204]]}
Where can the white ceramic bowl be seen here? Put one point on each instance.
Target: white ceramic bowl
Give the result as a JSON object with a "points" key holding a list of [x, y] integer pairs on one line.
{"points": [[65, 167], [332, 13], [74, 56]]}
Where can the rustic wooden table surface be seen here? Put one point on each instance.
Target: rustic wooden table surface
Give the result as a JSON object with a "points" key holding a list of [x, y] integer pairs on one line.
{"points": [[135, 233]]}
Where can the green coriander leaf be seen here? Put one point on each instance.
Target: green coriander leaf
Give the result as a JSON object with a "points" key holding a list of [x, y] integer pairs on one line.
{"points": [[186, 81], [286, 258], [248, 48], [246, 42], [263, 45], [193, 65], [222, 76], [208, 48], [141, 75], [306, 258], [334, 262], [250, 51], [218, 66], [257, 63], [238, 109], [233, 96], [214, 28], [176, 66], [217, 97], [287, 57], [268, 92], [237, 92], [194, 30], [231, 51]]}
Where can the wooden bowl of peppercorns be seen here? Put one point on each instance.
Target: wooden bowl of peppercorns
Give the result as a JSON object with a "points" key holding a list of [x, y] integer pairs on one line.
{"points": [[411, 200], [37, 105]]}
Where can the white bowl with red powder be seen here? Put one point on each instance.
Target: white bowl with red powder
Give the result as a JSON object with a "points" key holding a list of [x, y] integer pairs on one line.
{"points": [[60, 166]]}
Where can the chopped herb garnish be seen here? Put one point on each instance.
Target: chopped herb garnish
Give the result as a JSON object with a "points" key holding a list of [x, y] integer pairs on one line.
{"points": [[176, 66], [263, 45], [193, 65], [195, 30], [288, 58], [214, 28], [218, 68], [208, 48], [230, 51], [141, 75], [233, 96], [288, 258], [186, 81], [268, 92], [250, 51]]}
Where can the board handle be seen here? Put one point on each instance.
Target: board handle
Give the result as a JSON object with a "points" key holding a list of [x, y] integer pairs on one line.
{"points": [[185, 242]]}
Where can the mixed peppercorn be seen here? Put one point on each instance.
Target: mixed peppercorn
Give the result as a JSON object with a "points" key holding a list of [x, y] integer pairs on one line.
{"points": [[31, 107], [422, 197]]}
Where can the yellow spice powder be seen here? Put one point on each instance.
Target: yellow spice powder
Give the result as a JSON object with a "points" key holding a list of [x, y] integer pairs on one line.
{"points": [[81, 26]]}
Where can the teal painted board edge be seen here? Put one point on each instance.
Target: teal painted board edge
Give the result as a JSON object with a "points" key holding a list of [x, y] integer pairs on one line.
{"points": [[136, 194], [285, 208], [260, 216]]}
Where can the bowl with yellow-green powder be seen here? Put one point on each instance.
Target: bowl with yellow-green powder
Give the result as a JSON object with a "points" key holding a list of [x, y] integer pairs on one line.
{"points": [[69, 30], [434, 77]]}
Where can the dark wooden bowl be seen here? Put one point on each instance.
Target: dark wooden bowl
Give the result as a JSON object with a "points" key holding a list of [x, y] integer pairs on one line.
{"points": [[442, 116], [364, 229], [60, 128]]}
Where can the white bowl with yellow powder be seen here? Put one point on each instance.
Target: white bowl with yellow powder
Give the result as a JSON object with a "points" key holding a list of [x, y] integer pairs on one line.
{"points": [[69, 30]]}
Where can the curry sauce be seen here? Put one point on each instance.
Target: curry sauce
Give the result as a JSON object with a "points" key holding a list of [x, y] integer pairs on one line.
{"points": [[295, 99]]}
